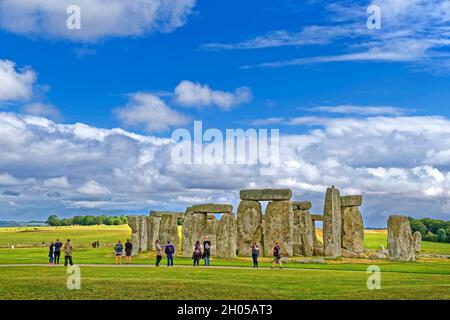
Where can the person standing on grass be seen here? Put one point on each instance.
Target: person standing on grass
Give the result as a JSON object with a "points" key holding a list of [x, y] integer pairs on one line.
{"points": [[255, 254], [197, 253], [118, 248], [169, 250], [276, 250], [68, 250], [57, 251], [128, 251], [51, 250], [158, 249], [207, 251]]}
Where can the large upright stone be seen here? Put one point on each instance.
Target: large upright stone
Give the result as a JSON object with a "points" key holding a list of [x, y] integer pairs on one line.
{"points": [[332, 223], [168, 229], [194, 228], [278, 226], [352, 229], [212, 208], [400, 239], [249, 226], [152, 231], [211, 232], [417, 238], [303, 239], [265, 194], [226, 236], [133, 222], [143, 233]]}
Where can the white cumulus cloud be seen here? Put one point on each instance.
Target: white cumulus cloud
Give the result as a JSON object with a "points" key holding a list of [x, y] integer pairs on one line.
{"points": [[15, 84]]}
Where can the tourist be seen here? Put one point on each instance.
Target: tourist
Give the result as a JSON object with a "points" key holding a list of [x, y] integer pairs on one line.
{"points": [[276, 255], [57, 251], [158, 249], [255, 254], [118, 248], [51, 250], [128, 251], [68, 250], [169, 250], [197, 253], [207, 251]]}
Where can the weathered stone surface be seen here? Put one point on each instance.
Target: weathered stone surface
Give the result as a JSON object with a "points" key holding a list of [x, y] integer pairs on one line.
{"points": [[352, 229], [210, 216], [349, 254], [318, 251], [133, 222], [168, 229], [249, 226], [301, 205], [351, 201], [317, 217], [332, 223], [152, 231], [226, 232], [194, 228], [303, 239], [400, 239], [266, 194], [143, 233], [212, 208], [211, 233], [278, 226], [417, 238], [160, 213]]}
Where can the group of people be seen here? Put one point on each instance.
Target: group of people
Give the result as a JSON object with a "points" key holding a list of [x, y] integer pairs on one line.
{"points": [[199, 251], [55, 252]]}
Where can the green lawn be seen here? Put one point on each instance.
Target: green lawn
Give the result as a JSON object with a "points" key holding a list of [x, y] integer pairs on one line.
{"points": [[337, 279], [200, 283]]}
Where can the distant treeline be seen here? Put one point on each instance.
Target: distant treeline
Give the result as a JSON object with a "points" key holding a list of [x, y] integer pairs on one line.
{"points": [[431, 229], [53, 220]]}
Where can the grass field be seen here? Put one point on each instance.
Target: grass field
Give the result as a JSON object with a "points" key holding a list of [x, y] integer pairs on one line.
{"points": [[337, 279]]}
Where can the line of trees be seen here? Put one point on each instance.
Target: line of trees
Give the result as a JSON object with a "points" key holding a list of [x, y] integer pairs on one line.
{"points": [[431, 229], [53, 220]]}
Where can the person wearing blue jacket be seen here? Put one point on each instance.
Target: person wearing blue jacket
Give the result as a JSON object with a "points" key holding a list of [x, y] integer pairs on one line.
{"points": [[169, 250]]}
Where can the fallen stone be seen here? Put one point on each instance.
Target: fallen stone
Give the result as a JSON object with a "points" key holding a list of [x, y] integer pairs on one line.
{"points": [[278, 226], [212, 208], [312, 261], [351, 201], [265, 194], [434, 256], [303, 205], [249, 226], [376, 256], [318, 251], [349, 254], [332, 223], [400, 240]]}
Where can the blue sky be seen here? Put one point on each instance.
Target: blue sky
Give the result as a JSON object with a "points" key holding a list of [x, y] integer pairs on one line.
{"points": [[364, 109]]}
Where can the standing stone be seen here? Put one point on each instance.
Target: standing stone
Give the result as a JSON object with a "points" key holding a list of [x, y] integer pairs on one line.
{"points": [[278, 226], [143, 233], [400, 239], [194, 228], [332, 223], [152, 231], [249, 228], [168, 229], [316, 242], [227, 236], [417, 238], [303, 239], [352, 229], [133, 222], [211, 232]]}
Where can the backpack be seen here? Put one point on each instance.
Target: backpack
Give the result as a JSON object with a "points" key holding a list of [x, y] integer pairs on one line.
{"points": [[170, 249]]}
